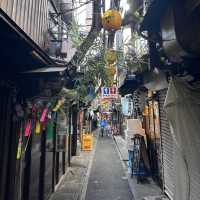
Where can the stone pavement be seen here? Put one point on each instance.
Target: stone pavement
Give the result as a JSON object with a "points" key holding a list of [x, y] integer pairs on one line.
{"points": [[102, 174], [72, 184], [107, 179], [121, 147], [144, 191]]}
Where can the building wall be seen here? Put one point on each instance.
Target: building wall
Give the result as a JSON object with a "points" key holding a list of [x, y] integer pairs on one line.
{"points": [[30, 15]]}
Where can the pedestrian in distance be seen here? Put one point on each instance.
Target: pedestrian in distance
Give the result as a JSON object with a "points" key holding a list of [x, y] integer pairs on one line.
{"points": [[102, 126]]}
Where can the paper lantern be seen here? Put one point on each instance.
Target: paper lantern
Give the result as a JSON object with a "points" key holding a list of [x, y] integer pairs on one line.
{"points": [[111, 71], [111, 20], [111, 56]]}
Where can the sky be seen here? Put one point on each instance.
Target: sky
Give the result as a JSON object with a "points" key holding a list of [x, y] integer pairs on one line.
{"points": [[82, 13]]}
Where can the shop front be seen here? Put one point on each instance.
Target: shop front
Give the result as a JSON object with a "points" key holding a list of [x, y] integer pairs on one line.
{"points": [[32, 159], [151, 123]]}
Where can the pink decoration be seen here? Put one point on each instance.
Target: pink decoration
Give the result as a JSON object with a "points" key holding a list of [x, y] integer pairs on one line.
{"points": [[28, 128], [43, 116]]}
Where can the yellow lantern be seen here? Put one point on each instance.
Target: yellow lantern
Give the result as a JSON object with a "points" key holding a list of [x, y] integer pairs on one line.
{"points": [[111, 20], [110, 71], [111, 56]]}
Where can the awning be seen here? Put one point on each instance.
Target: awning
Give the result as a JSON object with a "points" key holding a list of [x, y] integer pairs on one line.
{"points": [[46, 72], [151, 20], [155, 81], [130, 84], [18, 51]]}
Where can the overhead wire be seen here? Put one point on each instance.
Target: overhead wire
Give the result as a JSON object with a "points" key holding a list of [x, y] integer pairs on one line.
{"points": [[75, 8]]}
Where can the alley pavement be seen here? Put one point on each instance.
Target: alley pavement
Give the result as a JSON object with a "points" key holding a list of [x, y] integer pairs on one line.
{"points": [[107, 180], [73, 182]]}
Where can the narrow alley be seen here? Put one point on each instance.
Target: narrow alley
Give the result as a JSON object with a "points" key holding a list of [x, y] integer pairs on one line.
{"points": [[72, 70], [107, 179]]}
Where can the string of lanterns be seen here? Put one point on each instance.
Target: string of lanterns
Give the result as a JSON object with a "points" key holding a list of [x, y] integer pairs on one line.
{"points": [[111, 21]]}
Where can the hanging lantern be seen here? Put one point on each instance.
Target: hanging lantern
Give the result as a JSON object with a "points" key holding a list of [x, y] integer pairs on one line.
{"points": [[111, 56], [111, 20], [110, 71]]}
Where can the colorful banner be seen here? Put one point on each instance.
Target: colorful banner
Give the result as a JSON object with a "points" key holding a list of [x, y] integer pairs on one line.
{"points": [[106, 105]]}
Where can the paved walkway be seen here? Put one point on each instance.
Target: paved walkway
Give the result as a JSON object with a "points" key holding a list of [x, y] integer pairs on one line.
{"points": [[145, 191], [107, 180], [73, 182]]}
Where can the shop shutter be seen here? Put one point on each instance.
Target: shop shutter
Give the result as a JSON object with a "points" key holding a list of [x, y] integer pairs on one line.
{"points": [[167, 148]]}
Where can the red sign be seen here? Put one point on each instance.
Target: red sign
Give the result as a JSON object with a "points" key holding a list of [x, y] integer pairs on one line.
{"points": [[113, 91], [109, 92]]}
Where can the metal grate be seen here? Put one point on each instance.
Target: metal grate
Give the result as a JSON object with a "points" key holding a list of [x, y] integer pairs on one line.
{"points": [[167, 148]]}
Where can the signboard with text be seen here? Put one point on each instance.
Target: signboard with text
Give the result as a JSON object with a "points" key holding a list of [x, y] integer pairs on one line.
{"points": [[109, 92]]}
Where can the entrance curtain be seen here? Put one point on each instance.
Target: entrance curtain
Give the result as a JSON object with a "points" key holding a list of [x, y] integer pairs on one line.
{"points": [[182, 106]]}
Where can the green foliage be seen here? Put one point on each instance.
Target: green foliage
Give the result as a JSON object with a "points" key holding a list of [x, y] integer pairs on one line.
{"points": [[93, 65], [74, 33], [136, 57]]}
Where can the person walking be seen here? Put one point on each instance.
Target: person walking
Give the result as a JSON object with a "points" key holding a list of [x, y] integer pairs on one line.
{"points": [[103, 124]]}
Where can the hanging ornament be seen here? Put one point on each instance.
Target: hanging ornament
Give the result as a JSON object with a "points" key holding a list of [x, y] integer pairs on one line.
{"points": [[58, 105], [49, 130], [19, 149], [19, 146], [43, 116], [111, 20], [110, 71], [28, 127], [111, 56], [44, 113], [38, 127]]}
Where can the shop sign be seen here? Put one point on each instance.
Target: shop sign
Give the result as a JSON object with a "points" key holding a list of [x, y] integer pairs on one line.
{"points": [[109, 92], [105, 105]]}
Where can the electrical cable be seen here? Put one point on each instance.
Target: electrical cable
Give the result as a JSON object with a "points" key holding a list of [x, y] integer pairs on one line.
{"points": [[72, 9]]}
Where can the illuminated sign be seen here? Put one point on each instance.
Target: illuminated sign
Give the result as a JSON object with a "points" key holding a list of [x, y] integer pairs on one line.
{"points": [[109, 92]]}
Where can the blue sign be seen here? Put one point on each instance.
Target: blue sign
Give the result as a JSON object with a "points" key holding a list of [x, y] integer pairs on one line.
{"points": [[105, 91], [109, 92]]}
